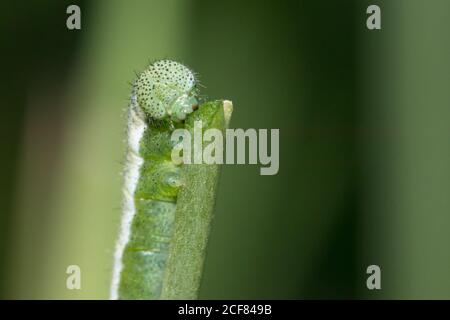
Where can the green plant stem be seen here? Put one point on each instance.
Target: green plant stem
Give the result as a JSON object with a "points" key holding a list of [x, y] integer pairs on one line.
{"points": [[193, 217]]}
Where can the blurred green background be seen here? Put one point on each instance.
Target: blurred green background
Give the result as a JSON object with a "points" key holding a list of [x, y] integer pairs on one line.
{"points": [[364, 142]]}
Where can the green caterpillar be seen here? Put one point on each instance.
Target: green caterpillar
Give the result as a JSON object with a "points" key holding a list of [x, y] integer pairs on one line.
{"points": [[164, 98]]}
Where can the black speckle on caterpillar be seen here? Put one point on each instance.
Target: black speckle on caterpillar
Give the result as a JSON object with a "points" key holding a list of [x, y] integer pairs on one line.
{"points": [[167, 90]]}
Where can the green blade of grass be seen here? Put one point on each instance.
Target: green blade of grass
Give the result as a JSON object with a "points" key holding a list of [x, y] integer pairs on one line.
{"points": [[194, 213]]}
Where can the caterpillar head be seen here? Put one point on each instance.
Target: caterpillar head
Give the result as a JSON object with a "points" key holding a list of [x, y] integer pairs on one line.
{"points": [[167, 90]]}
